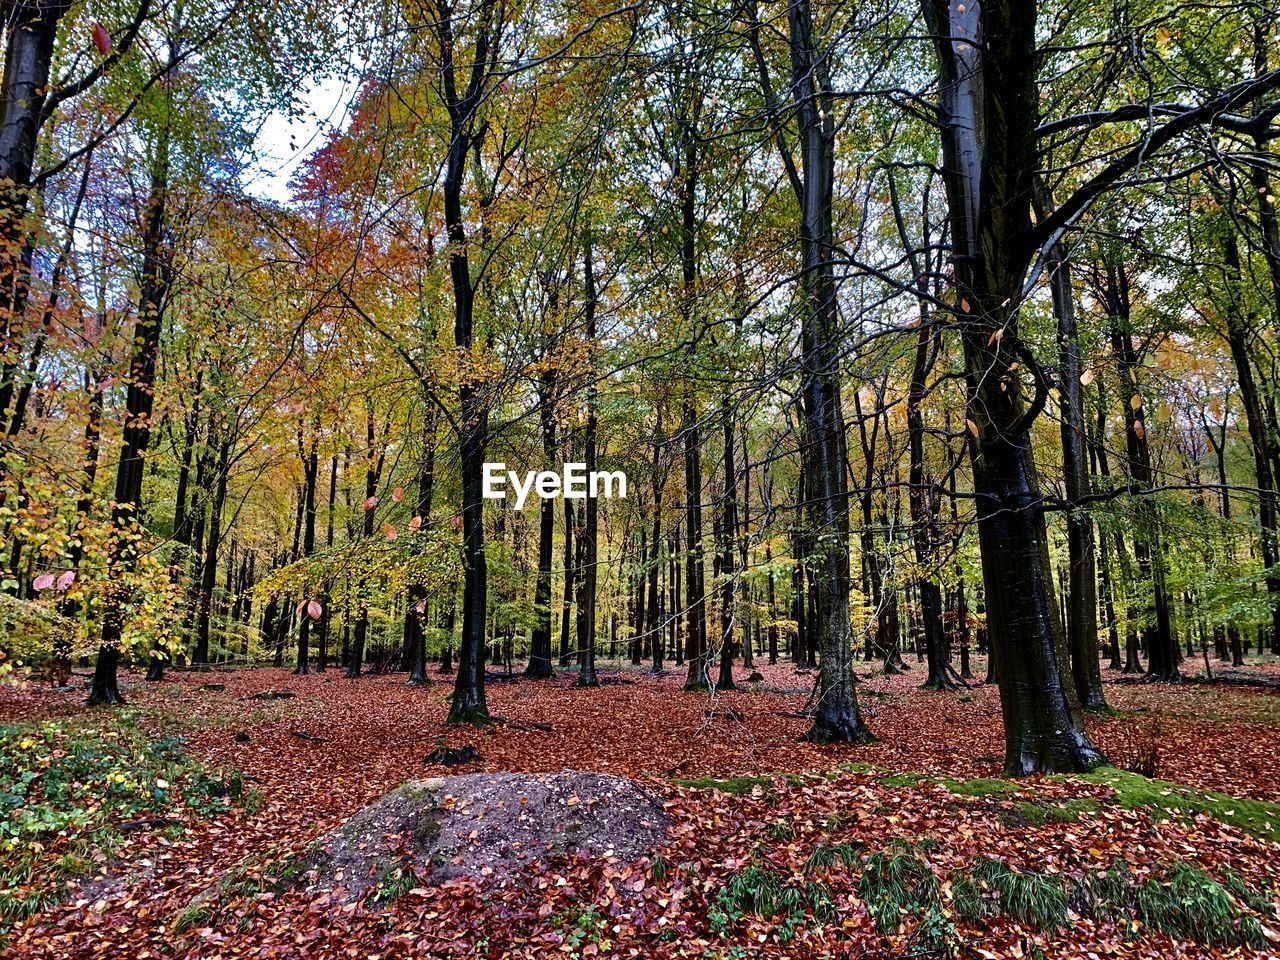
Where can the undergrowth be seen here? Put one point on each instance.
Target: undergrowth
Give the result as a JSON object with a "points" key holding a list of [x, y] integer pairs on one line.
{"points": [[68, 786]]}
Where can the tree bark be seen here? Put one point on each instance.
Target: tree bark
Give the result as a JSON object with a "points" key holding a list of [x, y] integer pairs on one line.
{"points": [[540, 666], [1082, 598], [157, 272], [587, 599], [836, 717], [987, 62], [1161, 643]]}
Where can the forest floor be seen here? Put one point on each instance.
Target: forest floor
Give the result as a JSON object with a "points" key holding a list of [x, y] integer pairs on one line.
{"points": [[907, 847]]}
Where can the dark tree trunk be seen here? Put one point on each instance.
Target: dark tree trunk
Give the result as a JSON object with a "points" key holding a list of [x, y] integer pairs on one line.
{"points": [[657, 628], [326, 615], [638, 636], [540, 666], [1161, 643], [157, 270], [673, 577], [209, 566], [570, 584], [587, 600], [987, 62], [728, 547], [417, 612], [771, 610], [695, 603], [1082, 600], [1238, 336], [374, 462], [923, 500], [836, 716], [31, 28], [92, 448], [466, 134], [311, 476]]}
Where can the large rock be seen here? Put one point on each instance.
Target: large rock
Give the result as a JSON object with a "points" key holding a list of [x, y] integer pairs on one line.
{"points": [[485, 825]]}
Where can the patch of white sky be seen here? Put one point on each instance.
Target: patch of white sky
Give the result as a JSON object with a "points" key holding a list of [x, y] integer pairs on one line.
{"points": [[291, 134]]}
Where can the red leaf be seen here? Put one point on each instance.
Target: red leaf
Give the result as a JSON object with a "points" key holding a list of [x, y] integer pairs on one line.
{"points": [[101, 39]]}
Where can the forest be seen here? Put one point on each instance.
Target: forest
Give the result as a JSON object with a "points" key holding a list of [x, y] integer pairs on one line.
{"points": [[653, 478]]}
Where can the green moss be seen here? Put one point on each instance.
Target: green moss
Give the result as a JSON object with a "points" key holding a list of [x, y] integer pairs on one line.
{"points": [[904, 780], [738, 786], [1038, 814], [861, 768], [1173, 800], [475, 716], [978, 787]]}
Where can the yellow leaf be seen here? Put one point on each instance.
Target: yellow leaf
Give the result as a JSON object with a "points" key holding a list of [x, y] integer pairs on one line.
{"points": [[973, 427], [1135, 402]]}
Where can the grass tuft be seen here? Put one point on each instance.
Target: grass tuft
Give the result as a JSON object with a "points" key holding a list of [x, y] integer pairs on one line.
{"points": [[991, 887], [894, 882]]}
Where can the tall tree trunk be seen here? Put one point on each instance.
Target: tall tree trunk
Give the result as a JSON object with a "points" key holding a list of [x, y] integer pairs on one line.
{"points": [[157, 271], [987, 63], [209, 566], [31, 27], [587, 601], [68, 607], [923, 501], [836, 717], [673, 578], [638, 632], [728, 547], [570, 583], [540, 665], [1082, 599], [695, 650], [326, 614], [372, 475], [466, 133], [695, 595], [1161, 643], [1238, 337], [657, 627], [417, 609], [311, 476]]}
